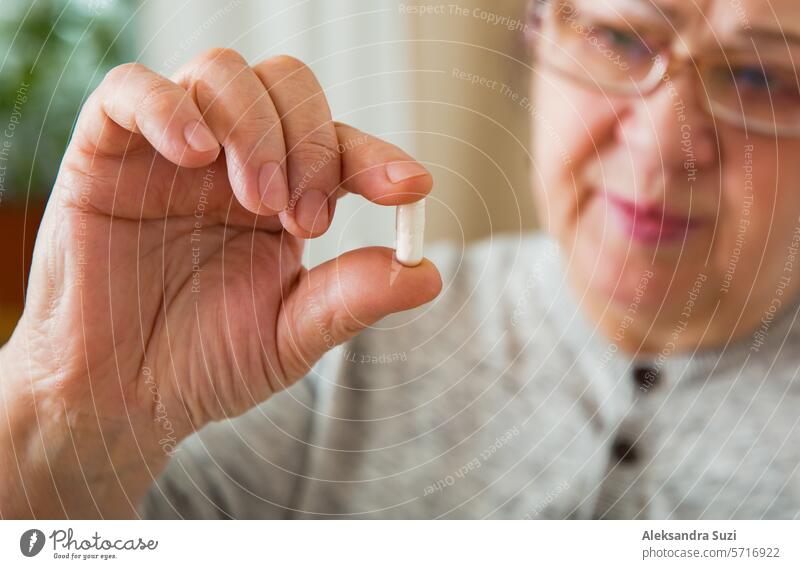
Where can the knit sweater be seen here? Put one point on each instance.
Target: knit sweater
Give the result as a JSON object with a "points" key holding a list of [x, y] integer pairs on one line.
{"points": [[501, 400]]}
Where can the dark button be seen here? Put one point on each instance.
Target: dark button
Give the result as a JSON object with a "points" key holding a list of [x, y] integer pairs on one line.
{"points": [[646, 377], [624, 451]]}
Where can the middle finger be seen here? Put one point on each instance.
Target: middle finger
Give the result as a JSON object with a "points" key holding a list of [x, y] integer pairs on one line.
{"points": [[314, 169]]}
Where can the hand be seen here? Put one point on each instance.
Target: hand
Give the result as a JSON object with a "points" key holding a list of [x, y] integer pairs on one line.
{"points": [[167, 288]]}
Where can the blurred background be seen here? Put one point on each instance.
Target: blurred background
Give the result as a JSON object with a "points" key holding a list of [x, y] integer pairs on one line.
{"points": [[444, 80]]}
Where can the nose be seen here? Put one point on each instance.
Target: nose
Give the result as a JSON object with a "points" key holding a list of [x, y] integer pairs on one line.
{"points": [[669, 136]]}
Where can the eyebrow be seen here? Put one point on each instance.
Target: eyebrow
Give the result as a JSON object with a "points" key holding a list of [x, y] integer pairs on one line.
{"points": [[657, 8], [751, 31], [770, 34], [642, 9]]}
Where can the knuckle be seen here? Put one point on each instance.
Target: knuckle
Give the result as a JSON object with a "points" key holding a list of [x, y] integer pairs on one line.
{"points": [[316, 148], [122, 73], [337, 318], [118, 78], [286, 62], [158, 96], [149, 90], [343, 326], [256, 127], [223, 56], [249, 140], [287, 72]]}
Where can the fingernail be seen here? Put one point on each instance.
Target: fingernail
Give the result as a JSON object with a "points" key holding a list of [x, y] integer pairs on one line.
{"points": [[399, 171], [272, 185], [311, 211], [199, 137]]}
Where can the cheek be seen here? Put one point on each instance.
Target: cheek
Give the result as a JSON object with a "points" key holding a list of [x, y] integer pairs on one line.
{"points": [[759, 213], [564, 141]]}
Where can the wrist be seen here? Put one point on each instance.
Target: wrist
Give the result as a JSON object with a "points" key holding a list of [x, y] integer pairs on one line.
{"points": [[59, 458]]}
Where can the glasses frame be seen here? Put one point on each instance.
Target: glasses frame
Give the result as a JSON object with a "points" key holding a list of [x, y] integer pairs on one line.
{"points": [[668, 64]]}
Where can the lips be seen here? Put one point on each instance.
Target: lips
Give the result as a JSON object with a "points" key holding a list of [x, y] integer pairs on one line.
{"points": [[650, 224]]}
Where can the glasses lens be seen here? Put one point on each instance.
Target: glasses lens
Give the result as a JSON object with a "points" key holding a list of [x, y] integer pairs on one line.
{"points": [[591, 48], [759, 95]]}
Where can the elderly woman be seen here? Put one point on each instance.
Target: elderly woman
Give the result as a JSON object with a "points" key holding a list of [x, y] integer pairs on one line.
{"points": [[638, 361]]}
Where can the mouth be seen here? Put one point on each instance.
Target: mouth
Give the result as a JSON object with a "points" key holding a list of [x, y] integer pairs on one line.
{"points": [[650, 223]]}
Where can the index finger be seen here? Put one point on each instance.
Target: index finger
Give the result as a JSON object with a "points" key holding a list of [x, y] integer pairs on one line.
{"points": [[379, 171]]}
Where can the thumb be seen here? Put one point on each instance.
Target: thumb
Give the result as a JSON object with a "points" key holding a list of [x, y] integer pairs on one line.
{"points": [[336, 300]]}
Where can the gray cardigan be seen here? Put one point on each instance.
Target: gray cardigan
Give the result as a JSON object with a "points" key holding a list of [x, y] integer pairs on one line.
{"points": [[500, 400]]}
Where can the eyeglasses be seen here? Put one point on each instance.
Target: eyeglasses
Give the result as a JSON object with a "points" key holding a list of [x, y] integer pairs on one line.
{"points": [[613, 56]]}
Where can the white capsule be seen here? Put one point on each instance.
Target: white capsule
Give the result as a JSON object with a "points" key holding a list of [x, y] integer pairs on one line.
{"points": [[410, 229]]}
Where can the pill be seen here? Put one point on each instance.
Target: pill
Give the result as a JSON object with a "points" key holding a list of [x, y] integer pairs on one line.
{"points": [[410, 232]]}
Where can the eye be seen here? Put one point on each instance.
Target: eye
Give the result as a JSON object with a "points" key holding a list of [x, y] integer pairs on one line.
{"points": [[623, 41], [618, 37], [753, 78]]}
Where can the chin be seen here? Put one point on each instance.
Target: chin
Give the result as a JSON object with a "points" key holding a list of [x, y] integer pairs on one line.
{"points": [[617, 272]]}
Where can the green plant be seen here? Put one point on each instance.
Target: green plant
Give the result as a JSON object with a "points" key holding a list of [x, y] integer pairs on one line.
{"points": [[52, 55]]}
